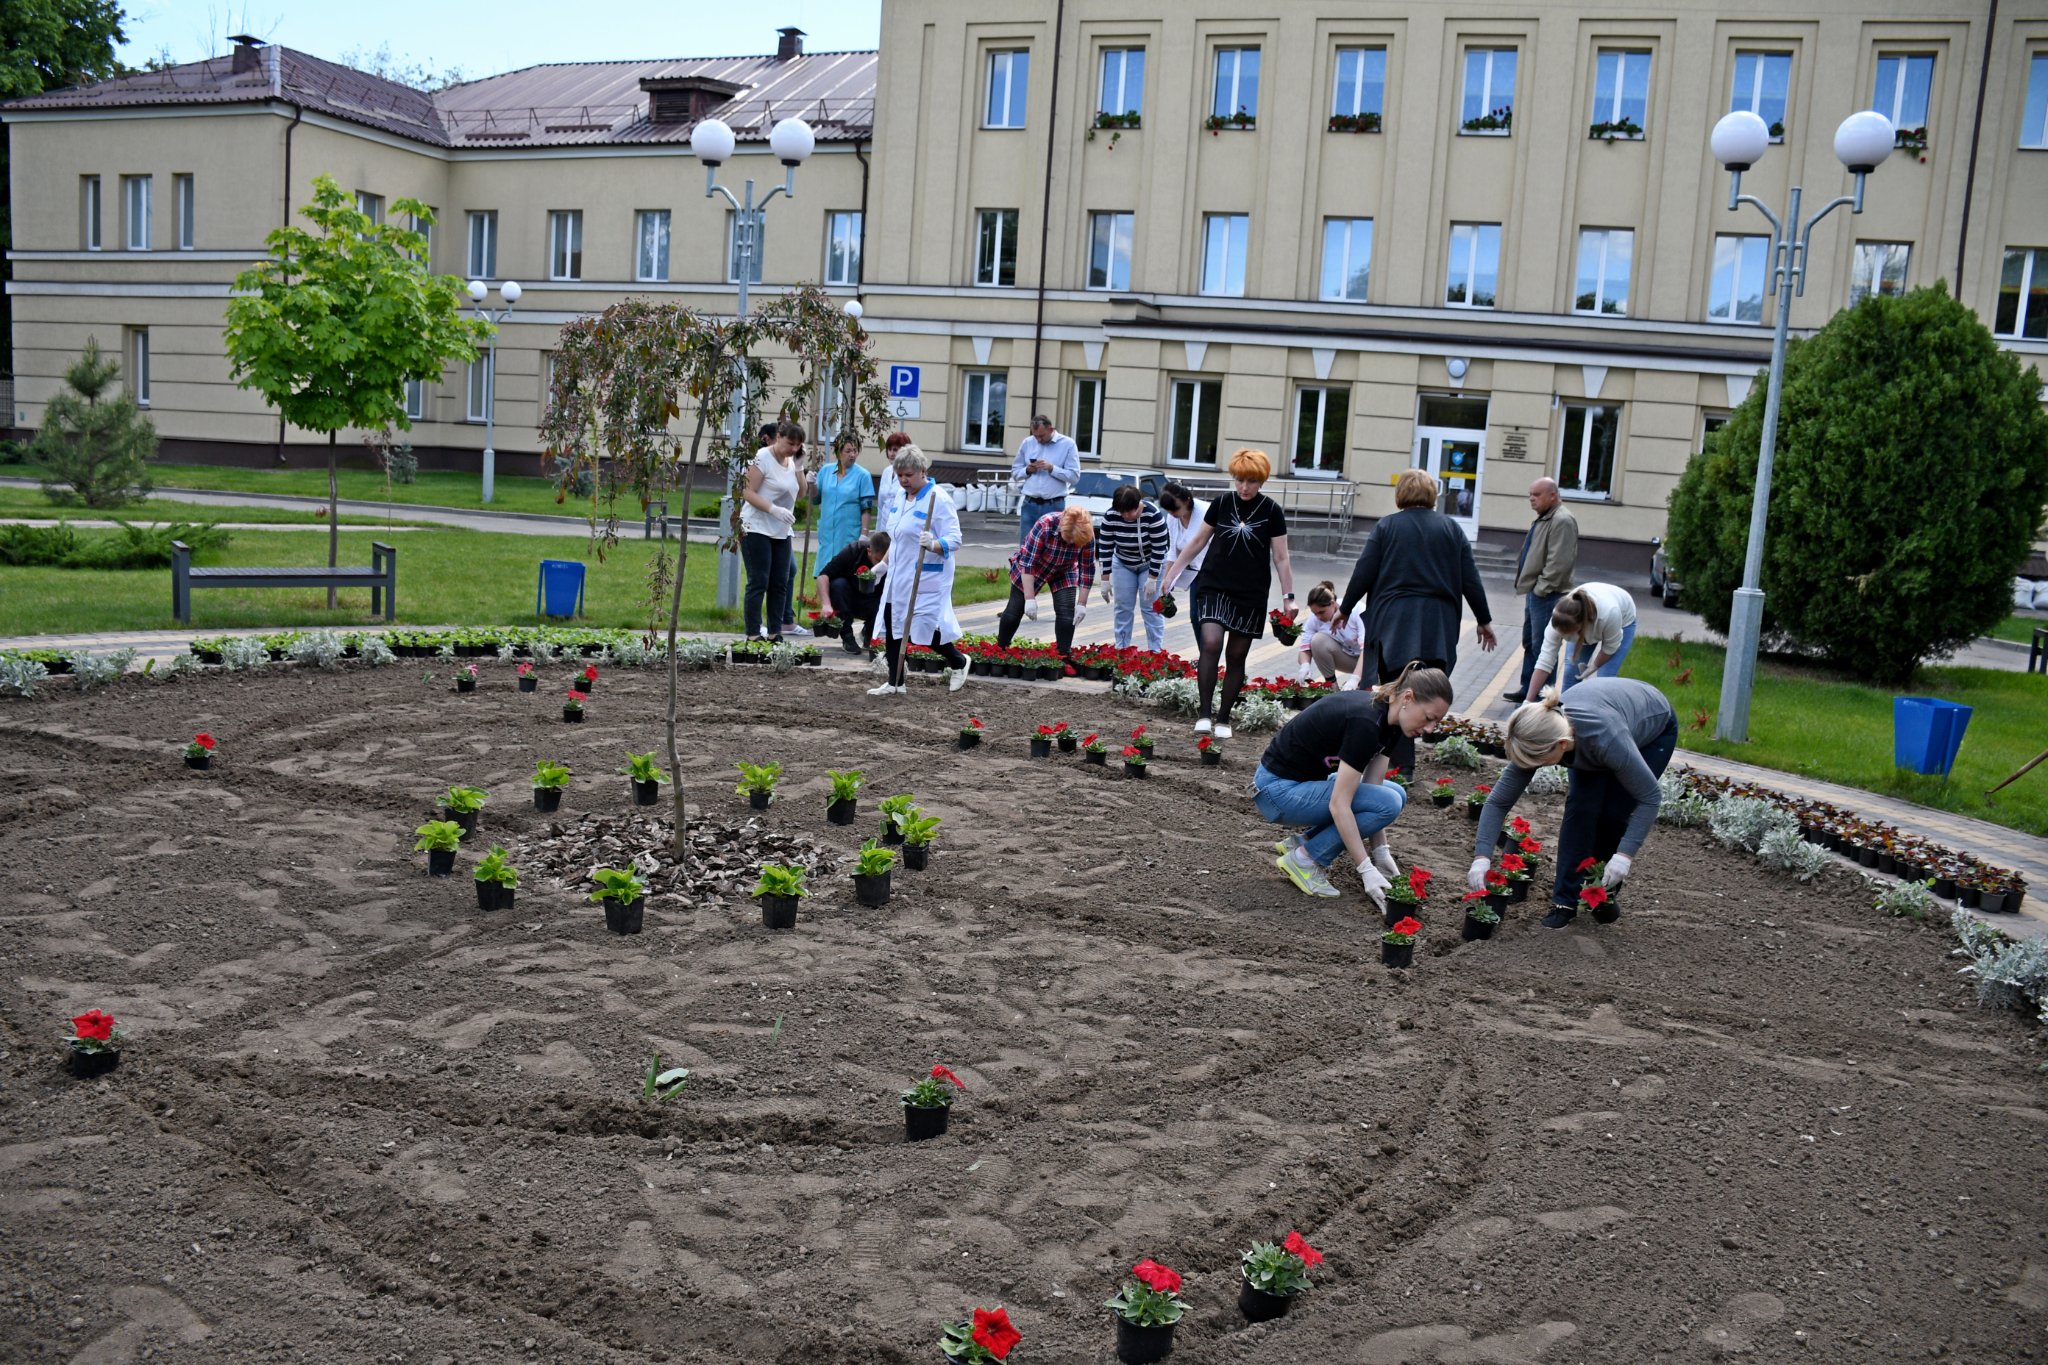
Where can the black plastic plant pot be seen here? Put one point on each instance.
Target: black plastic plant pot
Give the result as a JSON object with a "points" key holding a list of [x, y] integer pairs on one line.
{"points": [[586, 685], [841, 812], [1212, 758], [1994, 902], [202, 763], [871, 891], [778, 912], [1472, 811], [529, 684], [1397, 911], [464, 818], [1397, 954], [1867, 856], [969, 738], [1608, 911], [86, 1065], [1041, 748], [465, 684], [1259, 1305], [624, 919], [491, 896], [921, 1123], [547, 798], [759, 800], [1478, 928], [1498, 902], [440, 862], [1441, 801], [1068, 744], [1137, 1345], [646, 793], [1887, 864], [1134, 770], [891, 834], [1518, 891], [1100, 758], [917, 857], [1945, 887], [573, 717]]}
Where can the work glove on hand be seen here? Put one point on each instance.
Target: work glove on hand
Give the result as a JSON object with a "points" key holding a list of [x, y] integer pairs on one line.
{"points": [[931, 542], [1375, 885], [783, 515], [1383, 859], [1031, 609], [1307, 672], [1080, 612], [1618, 868], [1348, 683], [1475, 875]]}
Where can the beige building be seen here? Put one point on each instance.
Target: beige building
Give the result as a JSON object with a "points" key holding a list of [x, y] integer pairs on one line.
{"points": [[1356, 235]]}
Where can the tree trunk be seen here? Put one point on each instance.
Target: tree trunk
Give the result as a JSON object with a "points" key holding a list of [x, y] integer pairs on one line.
{"points": [[333, 515], [680, 849]]}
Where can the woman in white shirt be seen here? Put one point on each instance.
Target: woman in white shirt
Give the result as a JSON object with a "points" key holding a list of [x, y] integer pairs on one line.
{"points": [[1330, 644], [1184, 514], [1599, 620], [767, 512]]}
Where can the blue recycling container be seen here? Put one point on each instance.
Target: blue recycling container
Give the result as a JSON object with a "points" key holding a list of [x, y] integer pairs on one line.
{"points": [[1927, 732], [561, 588]]}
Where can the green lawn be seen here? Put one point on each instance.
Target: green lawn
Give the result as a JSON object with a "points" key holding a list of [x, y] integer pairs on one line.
{"points": [[1806, 721], [30, 502], [445, 577], [2018, 628]]}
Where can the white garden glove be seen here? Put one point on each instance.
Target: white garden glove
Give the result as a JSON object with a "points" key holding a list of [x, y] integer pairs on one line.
{"points": [[1617, 871], [1348, 683], [931, 542], [1031, 609], [1080, 612], [1475, 875], [1307, 672], [1383, 859], [783, 515], [1375, 885]]}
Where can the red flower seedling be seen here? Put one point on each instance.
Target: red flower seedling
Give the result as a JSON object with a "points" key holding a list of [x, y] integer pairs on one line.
{"points": [[1593, 896], [1092, 742], [1151, 1298], [202, 744], [1496, 883], [1404, 931], [1519, 826], [1393, 773], [525, 670], [1530, 847], [973, 724], [931, 1093], [1206, 743], [1586, 863], [590, 672], [578, 696], [1156, 1276], [1483, 788], [1444, 784], [1512, 863], [1133, 754], [942, 1072], [1297, 1245], [94, 1031], [1048, 731]]}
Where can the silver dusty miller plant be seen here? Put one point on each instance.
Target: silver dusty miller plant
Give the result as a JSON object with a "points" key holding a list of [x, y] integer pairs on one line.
{"points": [[179, 665], [1913, 900], [1743, 821], [321, 649], [1681, 806], [2010, 975], [1459, 752], [91, 671], [242, 653], [1552, 781], [21, 677], [374, 652], [1784, 851]]}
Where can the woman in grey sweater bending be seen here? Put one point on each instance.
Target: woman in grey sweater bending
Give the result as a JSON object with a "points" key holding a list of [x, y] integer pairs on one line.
{"points": [[1616, 735]]}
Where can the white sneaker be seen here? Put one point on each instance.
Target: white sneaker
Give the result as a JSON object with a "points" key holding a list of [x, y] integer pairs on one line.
{"points": [[1204, 726], [794, 629], [1289, 844], [888, 690], [1223, 731], [956, 678], [879, 664]]}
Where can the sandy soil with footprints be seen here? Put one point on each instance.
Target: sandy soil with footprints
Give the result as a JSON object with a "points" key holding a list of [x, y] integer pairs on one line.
{"points": [[359, 1120]]}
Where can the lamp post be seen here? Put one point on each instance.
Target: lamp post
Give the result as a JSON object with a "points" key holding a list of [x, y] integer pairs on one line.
{"points": [[509, 291], [1740, 139], [712, 142]]}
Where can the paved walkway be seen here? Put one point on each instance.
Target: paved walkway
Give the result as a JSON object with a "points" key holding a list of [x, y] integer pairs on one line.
{"points": [[84, 523]]}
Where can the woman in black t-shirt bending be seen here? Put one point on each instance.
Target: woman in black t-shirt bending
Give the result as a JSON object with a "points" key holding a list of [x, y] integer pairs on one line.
{"points": [[1246, 536]]}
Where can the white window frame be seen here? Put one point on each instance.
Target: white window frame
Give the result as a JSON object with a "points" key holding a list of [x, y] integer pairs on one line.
{"points": [[1583, 455], [1488, 96], [1236, 249], [2030, 256], [423, 225], [1890, 102], [1003, 223], [371, 206], [1089, 402], [2035, 102], [1363, 53], [976, 387], [1125, 101], [135, 211], [1003, 76], [1605, 248], [732, 249], [483, 232], [90, 205], [1321, 395], [1623, 57], [1349, 232], [565, 244], [651, 267], [182, 223], [1106, 253], [843, 233], [1867, 262], [1219, 106], [1753, 98], [480, 380], [545, 402], [138, 365], [1475, 234], [415, 400], [1174, 434], [1738, 239]]}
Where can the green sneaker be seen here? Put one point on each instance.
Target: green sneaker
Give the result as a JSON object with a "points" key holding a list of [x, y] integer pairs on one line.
{"points": [[1310, 880], [1289, 844]]}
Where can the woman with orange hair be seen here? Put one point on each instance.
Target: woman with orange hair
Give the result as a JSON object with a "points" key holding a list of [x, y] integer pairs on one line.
{"points": [[1053, 558], [1246, 536]]}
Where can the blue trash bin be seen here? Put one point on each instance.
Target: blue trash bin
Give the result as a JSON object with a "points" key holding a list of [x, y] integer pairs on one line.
{"points": [[1927, 732], [560, 592]]}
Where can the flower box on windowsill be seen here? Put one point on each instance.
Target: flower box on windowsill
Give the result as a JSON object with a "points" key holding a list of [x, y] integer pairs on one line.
{"points": [[1494, 123], [1241, 121], [1617, 130], [1910, 139], [1354, 123]]}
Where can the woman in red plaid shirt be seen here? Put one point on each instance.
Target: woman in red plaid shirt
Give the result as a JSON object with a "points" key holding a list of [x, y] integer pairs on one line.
{"points": [[1054, 556]]}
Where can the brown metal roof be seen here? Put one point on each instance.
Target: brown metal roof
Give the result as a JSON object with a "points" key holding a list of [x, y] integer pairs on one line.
{"points": [[556, 105]]}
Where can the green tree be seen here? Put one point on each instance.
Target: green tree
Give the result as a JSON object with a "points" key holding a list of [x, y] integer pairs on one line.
{"points": [[1911, 470], [95, 444], [333, 325]]}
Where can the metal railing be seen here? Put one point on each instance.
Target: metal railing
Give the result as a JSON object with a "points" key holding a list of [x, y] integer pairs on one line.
{"points": [[1318, 510]]}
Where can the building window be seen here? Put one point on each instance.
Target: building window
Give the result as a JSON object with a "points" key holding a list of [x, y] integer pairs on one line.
{"points": [[756, 249], [1489, 102], [1621, 94], [650, 237], [1236, 90], [2034, 119], [138, 364], [995, 250], [1741, 265], [423, 225], [1319, 416], [1762, 82], [1904, 82], [483, 246], [371, 206], [1604, 255], [480, 386], [1347, 258], [415, 399], [1087, 415], [1109, 250], [842, 247], [1475, 265], [565, 244], [547, 385], [981, 426], [2023, 294], [181, 198], [1223, 250], [135, 194], [1711, 422], [1196, 410], [1880, 269], [1585, 461], [1361, 91], [1009, 81], [89, 211], [1123, 82]]}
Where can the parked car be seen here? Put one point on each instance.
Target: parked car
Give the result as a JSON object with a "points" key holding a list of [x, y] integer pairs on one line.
{"points": [[1098, 486], [1663, 579]]}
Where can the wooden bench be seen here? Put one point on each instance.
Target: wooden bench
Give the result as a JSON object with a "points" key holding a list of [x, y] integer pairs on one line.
{"points": [[381, 578]]}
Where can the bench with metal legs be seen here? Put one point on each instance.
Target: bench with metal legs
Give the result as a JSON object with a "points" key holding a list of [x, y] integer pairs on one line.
{"points": [[381, 578]]}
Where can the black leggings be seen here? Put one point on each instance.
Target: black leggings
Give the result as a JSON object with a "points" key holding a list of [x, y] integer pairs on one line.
{"points": [[949, 652], [1232, 647]]}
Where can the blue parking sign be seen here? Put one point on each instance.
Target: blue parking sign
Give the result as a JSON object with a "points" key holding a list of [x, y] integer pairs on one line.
{"points": [[903, 381]]}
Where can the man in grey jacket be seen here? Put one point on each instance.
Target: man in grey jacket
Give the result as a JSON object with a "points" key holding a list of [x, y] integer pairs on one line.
{"points": [[1550, 555]]}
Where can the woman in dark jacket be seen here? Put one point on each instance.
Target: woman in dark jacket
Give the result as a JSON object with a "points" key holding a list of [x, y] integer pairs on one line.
{"points": [[1415, 566]]}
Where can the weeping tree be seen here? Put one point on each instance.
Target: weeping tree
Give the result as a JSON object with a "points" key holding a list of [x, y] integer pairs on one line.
{"points": [[622, 383]]}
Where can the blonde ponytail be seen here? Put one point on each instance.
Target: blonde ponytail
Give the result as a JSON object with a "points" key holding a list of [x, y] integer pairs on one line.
{"points": [[1536, 728], [1429, 684], [1574, 614]]}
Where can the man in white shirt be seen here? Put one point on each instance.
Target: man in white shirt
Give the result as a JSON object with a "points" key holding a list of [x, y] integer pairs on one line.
{"points": [[1046, 468]]}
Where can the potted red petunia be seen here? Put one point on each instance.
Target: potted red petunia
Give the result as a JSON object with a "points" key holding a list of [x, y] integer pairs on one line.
{"points": [[1397, 945], [95, 1044], [970, 733], [589, 678], [465, 678], [572, 709], [1211, 751], [1064, 733], [1406, 895], [1142, 741], [527, 682], [927, 1106], [1134, 760], [986, 1336], [1443, 793], [1042, 741], [1593, 878], [1146, 1309], [1515, 870], [1274, 1276], [1513, 832], [1475, 801], [1481, 918], [1531, 850], [1094, 751], [199, 753]]}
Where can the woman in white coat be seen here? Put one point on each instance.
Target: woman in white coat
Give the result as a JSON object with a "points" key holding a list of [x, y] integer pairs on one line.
{"points": [[1591, 630], [924, 537]]}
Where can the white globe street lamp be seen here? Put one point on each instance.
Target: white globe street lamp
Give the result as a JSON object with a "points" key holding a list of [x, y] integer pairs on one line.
{"points": [[509, 291]]}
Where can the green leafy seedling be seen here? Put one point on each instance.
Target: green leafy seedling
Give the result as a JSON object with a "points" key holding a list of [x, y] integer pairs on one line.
{"points": [[777, 880], [493, 867], [464, 799], [874, 860], [845, 786], [659, 1085], [642, 768], [625, 887], [894, 808], [438, 835], [547, 773], [920, 829], [757, 777]]}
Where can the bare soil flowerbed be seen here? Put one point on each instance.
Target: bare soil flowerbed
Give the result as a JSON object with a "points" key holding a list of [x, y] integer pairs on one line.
{"points": [[360, 1120]]}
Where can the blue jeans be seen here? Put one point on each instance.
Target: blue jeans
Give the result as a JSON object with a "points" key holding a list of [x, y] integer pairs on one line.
{"points": [[1535, 617], [1596, 814], [1030, 509], [1610, 669], [1285, 802], [1126, 583]]}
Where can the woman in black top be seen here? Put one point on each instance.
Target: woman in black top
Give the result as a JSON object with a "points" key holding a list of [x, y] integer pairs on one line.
{"points": [[1293, 785], [1246, 536]]}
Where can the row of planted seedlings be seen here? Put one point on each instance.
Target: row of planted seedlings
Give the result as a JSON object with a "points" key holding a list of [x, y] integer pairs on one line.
{"points": [[905, 825], [1507, 883], [1093, 748]]}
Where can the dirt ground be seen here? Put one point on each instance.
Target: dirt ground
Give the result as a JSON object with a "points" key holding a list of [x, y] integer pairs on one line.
{"points": [[360, 1120]]}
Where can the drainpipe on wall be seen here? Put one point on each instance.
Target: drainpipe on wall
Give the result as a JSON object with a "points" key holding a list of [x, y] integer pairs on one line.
{"points": [[298, 112], [1976, 133], [861, 154], [1052, 118]]}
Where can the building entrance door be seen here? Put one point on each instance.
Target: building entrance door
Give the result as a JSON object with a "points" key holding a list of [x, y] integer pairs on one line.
{"points": [[1450, 442]]}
